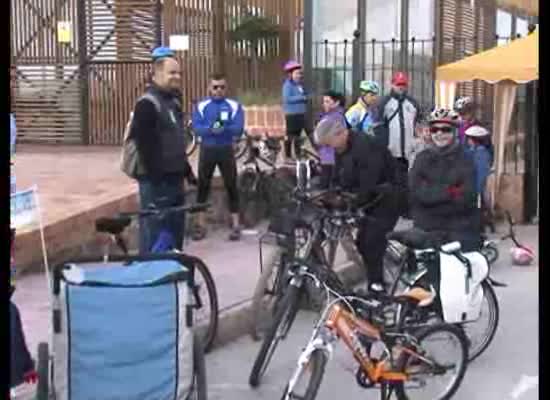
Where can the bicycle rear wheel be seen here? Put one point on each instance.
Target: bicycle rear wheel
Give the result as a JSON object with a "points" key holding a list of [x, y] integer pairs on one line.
{"points": [[489, 311], [448, 361], [282, 321], [205, 315]]}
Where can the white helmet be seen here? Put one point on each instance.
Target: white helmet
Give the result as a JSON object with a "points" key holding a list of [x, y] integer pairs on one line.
{"points": [[522, 255], [463, 102], [476, 131], [443, 115]]}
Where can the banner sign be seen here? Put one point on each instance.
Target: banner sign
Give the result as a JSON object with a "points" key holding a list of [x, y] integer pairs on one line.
{"points": [[24, 212]]}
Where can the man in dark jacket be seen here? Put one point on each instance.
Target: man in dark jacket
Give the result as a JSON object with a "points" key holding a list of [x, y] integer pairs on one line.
{"points": [[442, 185], [364, 167], [158, 129], [219, 122]]}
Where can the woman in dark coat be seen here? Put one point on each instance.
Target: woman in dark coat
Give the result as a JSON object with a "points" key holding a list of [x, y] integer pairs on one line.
{"points": [[443, 185]]}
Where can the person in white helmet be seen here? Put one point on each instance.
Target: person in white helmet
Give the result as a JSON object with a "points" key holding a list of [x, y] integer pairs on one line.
{"points": [[477, 140], [442, 185]]}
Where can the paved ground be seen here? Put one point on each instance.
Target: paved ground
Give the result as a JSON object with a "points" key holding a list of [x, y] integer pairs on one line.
{"points": [[496, 375], [513, 353]]}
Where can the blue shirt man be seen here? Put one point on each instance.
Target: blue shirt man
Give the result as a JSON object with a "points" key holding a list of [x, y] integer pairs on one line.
{"points": [[218, 121]]}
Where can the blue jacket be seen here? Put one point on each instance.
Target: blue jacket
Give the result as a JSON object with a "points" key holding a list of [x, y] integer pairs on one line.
{"points": [[482, 161], [228, 112], [294, 98]]}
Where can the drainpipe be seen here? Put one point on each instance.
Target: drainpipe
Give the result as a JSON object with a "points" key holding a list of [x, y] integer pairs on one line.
{"points": [[307, 52]]}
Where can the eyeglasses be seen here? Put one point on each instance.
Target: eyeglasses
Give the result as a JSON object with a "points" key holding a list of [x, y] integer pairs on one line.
{"points": [[216, 87], [443, 129]]}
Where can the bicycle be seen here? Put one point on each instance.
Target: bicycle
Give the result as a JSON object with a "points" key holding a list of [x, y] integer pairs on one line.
{"points": [[260, 189], [490, 247], [388, 357], [424, 258], [291, 289], [116, 226]]}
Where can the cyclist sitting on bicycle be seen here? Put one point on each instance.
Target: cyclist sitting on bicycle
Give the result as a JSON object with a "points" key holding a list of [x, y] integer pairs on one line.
{"points": [[362, 165], [442, 185]]}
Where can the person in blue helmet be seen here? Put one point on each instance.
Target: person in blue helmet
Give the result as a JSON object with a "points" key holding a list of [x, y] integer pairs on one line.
{"points": [[157, 125]]}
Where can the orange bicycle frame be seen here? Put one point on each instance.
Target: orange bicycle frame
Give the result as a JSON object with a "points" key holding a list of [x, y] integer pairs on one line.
{"points": [[344, 324]]}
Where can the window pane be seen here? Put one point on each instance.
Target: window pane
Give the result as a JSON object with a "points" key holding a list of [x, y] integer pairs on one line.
{"points": [[504, 26], [421, 19]]}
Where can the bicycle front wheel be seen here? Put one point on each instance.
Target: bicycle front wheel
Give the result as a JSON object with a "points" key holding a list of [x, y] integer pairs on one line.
{"points": [[268, 288], [241, 146], [439, 371], [282, 321], [205, 315], [309, 378]]}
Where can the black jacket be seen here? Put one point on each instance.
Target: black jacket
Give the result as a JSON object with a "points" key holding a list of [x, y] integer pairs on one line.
{"points": [[363, 168], [433, 207], [160, 136]]}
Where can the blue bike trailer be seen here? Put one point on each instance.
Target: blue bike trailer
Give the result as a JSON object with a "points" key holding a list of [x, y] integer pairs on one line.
{"points": [[122, 329]]}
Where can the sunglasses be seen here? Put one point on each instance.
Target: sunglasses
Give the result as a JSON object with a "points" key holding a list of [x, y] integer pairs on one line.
{"points": [[444, 129], [220, 87]]}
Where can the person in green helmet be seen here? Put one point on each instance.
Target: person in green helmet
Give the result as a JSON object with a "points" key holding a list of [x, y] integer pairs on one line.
{"points": [[361, 116]]}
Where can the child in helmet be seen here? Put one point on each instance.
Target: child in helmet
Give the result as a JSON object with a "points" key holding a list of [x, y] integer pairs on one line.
{"points": [[477, 143]]}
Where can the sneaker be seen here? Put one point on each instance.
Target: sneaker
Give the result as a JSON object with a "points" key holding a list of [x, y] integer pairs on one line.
{"points": [[235, 234], [376, 288], [199, 233]]}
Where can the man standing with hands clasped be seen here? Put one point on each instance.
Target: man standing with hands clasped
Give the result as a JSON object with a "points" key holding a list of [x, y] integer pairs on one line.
{"points": [[218, 121]]}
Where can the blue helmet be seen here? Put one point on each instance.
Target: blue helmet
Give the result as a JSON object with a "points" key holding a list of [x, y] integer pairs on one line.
{"points": [[162, 52]]}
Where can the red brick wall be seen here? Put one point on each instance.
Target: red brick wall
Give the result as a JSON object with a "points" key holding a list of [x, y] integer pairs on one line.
{"points": [[261, 119]]}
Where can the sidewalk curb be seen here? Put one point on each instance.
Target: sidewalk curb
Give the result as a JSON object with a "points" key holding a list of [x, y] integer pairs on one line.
{"points": [[235, 322]]}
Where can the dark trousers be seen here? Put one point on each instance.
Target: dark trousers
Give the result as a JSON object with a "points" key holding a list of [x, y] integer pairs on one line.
{"points": [[402, 182], [222, 157], [167, 192], [372, 243], [21, 361], [295, 124]]}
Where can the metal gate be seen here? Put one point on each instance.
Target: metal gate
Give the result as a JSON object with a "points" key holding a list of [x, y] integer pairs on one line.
{"points": [[47, 79]]}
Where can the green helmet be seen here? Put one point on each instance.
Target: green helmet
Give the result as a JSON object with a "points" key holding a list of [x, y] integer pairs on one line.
{"points": [[369, 87]]}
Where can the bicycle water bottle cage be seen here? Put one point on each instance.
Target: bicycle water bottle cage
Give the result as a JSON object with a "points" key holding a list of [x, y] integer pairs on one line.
{"points": [[164, 243]]}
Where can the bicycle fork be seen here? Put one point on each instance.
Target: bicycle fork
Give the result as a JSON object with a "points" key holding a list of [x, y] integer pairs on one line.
{"points": [[317, 343]]}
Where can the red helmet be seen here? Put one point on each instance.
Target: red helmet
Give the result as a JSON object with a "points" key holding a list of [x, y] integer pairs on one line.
{"points": [[400, 79]]}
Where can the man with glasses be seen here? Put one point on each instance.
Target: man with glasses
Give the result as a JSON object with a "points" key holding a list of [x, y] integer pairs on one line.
{"points": [[398, 114], [442, 182], [219, 122]]}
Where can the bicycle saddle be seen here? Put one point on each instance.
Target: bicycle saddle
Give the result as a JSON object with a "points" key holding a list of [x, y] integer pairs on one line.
{"points": [[114, 226], [415, 239]]}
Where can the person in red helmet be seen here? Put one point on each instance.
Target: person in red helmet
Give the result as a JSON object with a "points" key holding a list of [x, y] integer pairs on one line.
{"points": [[399, 113]]}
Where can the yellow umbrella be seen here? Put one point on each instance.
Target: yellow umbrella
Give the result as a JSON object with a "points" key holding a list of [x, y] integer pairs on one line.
{"points": [[517, 61]]}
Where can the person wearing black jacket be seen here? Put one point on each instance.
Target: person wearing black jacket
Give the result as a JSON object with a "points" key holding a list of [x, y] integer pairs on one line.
{"points": [[442, 186], [364, 167], [158, 129]]}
